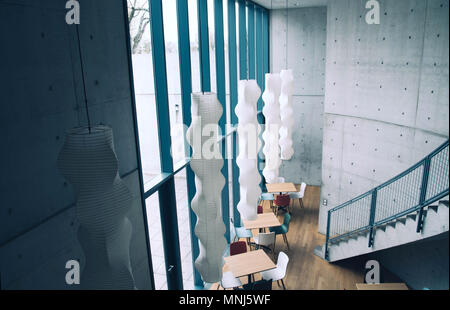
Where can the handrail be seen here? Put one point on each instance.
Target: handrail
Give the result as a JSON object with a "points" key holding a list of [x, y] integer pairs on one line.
{"points": [[411, 190]]}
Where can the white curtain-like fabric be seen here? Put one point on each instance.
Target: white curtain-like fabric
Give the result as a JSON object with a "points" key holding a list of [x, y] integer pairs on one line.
{"points": [[249, 145], [206, 163], [88, 161]]}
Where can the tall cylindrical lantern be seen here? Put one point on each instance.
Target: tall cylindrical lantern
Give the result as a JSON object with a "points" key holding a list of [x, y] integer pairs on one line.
{"points": [[286, 113], [249, 144], [206, 163], [270, 136], [88, 161]]}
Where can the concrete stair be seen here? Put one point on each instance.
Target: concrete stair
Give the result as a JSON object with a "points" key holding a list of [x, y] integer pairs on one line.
{"points": [[395, 233]]}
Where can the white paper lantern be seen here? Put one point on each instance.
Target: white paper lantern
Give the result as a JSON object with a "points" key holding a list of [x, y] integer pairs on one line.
{"points": [[270, 136], [249, 145], [206, 163], [286, 113], [88, 161]]}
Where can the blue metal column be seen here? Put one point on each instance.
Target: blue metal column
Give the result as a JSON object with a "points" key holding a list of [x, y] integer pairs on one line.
{"points": [[167, 199], [423, 192], [186, 90], [232, 58], [259, 52], [373, 206], [251, 41], [242, 41], [221, 94], [203, 45], [259, 79], [265, 66], [265, 40]]}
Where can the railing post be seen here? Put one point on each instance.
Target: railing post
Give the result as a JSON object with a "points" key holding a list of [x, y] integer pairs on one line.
{"points": [[423, 192], [328, 234], [373, 206]]}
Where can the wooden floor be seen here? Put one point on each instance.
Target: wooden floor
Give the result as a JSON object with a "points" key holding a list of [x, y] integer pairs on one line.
{"points": [[305, 270]]}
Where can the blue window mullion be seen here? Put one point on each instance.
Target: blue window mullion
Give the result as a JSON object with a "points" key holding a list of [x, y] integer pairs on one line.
{"points": [[221, 94], [232, 55], [186, 90], [166, 193], [242, 41], [203, 40], [265, 40], [259, 77], [251, 41]]}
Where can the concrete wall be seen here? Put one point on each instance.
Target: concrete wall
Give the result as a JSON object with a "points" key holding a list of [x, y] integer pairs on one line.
{"points": [[386, 93], [297, 41], [42, 97], [421, 265]]}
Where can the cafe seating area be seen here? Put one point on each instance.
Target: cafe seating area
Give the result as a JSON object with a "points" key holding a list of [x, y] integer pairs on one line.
{"points": [[254, 260]]}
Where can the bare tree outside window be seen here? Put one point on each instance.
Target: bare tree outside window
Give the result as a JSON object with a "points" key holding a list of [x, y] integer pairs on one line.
{"points": [[139, 19]]}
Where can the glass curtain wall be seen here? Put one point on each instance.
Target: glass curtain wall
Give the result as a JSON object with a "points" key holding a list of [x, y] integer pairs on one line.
{"points": [[168, 181]]}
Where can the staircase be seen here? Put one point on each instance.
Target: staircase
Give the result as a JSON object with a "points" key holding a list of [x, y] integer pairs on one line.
{"points": [[411, 206]]}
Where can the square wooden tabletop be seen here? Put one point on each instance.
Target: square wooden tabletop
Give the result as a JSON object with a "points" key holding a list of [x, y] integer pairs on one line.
{"points": [[281, 187], [262, 221], [249, 263]]}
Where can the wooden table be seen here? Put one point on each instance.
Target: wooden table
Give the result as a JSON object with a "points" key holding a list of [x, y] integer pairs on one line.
{"points": [[281, 187], [382, 286], [262, 221], [249, 263]]}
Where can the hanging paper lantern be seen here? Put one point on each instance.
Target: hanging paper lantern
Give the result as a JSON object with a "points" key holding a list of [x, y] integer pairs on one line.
{"points": [[88, 161], [286, 113], [249, 143], [270, 136], [206, 163]]}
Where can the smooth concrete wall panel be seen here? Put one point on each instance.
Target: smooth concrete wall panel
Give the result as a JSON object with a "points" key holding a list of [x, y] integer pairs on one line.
{"points": [[278, 40], [38, 105], [43, 98], [305, 165], [384, 97], [432, 110], [298, 39], [306, 39]]}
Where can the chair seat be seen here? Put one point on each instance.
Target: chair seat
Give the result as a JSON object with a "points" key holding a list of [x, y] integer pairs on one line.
{"points": [[267, 196], [241, 232], [279, 230], [262, 242], [295, 195], [274, 274], [229, 280]]}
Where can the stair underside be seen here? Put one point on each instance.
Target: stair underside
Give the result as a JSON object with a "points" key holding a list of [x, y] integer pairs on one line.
{"points": [[395, 233]]}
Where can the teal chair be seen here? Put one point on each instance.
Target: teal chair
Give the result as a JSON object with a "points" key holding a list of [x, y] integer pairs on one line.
{"points": [[267, 197], [283, 229], [241, 232]]}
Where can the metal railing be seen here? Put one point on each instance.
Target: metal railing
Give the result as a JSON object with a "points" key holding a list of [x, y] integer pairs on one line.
{"points": [[410, 191]]}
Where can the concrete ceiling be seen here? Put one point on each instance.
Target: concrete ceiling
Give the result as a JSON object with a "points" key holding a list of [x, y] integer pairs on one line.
{"points": [[281, 4]]}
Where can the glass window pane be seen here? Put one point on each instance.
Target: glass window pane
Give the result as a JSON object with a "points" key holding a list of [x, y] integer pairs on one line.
{"points": [[156, 242], [193, 35], [184, 230], [144, 88], [173, 79]]}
